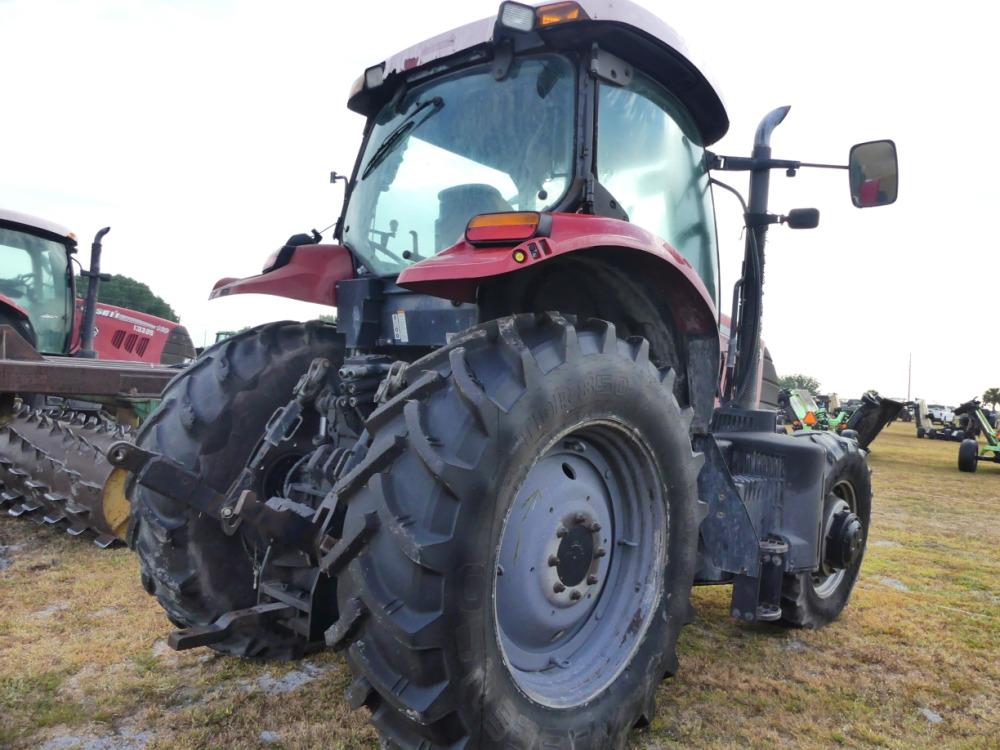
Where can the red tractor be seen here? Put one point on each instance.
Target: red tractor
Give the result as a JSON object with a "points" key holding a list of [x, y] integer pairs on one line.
{"points": [[494, 483], [64, 362], [38, 300]]}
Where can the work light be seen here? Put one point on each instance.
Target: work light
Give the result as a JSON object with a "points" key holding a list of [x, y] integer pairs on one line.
{"points": [[517, 17]]}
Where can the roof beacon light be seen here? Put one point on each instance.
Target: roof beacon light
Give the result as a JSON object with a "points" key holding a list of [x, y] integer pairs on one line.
{"points": [[502, 228], [553, 13], [517, 17]]}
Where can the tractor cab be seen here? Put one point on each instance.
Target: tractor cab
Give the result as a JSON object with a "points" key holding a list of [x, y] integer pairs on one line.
{"points": [[36, 281], [564, 108]]}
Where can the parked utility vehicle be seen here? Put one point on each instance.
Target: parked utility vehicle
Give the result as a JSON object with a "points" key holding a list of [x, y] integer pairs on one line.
{"points": [[495, 481]]}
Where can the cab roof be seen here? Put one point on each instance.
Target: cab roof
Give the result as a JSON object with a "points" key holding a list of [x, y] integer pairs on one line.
{"points": [[620, 27], [34, 222]]}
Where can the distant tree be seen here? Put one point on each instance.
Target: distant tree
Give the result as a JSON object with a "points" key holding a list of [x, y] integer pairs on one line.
{"points": [[329, 319], [798, 380], [992, 397], [124, 291]]}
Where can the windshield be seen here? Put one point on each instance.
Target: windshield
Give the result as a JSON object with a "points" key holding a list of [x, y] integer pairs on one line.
{"points": [[33, 276], [458, 146]]}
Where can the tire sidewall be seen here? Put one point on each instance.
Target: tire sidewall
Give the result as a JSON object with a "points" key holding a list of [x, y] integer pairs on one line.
{"points": [[853, 468], [597, 388]]}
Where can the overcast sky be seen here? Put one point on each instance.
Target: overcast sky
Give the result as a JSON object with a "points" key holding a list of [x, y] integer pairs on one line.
{"points": [[203, 132]]}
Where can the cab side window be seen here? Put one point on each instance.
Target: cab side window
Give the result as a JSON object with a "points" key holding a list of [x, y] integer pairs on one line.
{"points": [[650, 158]]}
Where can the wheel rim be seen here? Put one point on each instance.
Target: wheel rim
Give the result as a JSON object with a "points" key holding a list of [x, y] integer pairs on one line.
{"points": [[581, 560], [841, 498]]}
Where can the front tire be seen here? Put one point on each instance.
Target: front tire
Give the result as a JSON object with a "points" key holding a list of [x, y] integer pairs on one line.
{"points": [[516, 429], [812, 600], [968, 456], [211, 418]]}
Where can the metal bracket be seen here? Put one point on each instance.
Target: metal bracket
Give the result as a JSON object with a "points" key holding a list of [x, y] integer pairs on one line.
{"points": [[278, 519], [728, 532], [758, 598], [167, 478], [606, 67], [394, 382], [503, 58]]}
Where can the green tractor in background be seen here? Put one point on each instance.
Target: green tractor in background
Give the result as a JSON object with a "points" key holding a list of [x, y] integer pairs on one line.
{"points": [[802, 411], [970, 452]]}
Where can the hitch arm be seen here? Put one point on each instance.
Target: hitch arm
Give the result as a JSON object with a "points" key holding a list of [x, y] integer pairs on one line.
{"points": [[206, 635], [168, 478], [277, 519]]}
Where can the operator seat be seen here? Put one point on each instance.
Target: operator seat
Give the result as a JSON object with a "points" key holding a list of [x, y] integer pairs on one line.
{"points": [[458, 204]]}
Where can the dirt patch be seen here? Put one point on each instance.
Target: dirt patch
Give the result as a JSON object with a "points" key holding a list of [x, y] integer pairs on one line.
{"points": [[124, 739]]}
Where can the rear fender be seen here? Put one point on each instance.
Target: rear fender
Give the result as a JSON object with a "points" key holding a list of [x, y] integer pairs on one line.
{"points": [[310, 275], [466, 273], [458, 272], [7, 302]]}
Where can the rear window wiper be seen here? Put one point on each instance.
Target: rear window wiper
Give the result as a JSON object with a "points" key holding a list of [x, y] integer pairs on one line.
{"points": [[400, 133]]}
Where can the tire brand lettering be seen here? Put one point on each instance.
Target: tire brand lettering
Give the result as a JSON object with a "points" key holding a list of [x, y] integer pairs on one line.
{"points": [[566, 398], [473, 583]]}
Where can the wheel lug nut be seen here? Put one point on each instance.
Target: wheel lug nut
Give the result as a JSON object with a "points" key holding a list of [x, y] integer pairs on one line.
{"points": [[553, 561], [561, 532], [591, 579], [595, 527], [575, 595], [558, 587], [579, 518], [600, 552]]}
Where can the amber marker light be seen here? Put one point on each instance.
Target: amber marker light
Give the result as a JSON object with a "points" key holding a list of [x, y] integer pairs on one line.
{"points": [[492, 229], [553, 13]]}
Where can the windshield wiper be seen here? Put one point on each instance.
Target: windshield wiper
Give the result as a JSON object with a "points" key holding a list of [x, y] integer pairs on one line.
{"points": [[399, 134]]}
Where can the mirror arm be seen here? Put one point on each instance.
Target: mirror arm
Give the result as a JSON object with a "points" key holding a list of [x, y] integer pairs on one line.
{"points": [[748, 164], [823, 166]]}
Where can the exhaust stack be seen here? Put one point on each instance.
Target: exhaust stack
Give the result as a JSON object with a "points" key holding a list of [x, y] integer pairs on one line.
{"points": [[90, 304]]}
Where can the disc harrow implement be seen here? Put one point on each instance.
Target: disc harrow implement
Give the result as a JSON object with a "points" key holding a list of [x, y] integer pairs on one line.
{"points": [[53, 469]]}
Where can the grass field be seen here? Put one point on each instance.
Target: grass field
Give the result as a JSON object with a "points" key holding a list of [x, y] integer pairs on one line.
{"points": [[914, 661]]}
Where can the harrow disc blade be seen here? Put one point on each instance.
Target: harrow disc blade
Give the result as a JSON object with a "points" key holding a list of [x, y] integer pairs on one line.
{"points": [[54, 467]]}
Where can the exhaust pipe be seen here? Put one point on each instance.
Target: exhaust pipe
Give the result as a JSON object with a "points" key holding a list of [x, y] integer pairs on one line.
{"points": [[90, 304]]}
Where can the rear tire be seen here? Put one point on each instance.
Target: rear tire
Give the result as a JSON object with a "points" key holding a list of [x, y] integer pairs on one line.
{"points": [[435, 656], [921, 432], [968, 456], [813, 600], [211, 418]]}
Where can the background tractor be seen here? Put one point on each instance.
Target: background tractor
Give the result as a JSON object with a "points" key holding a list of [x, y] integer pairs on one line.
{"points": [[494, 482], [863, 423], [61, 404], [944, 426], [970, 452]]}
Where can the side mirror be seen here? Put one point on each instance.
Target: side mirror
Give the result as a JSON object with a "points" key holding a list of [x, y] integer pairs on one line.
{"points": [[874, 174]]}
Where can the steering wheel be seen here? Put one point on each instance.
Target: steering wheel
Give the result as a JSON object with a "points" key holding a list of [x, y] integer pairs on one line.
{"points": [[16, 287]]}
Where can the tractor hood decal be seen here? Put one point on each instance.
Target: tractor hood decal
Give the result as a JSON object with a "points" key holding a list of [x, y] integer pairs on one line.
{"points": [[311, 275]]}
